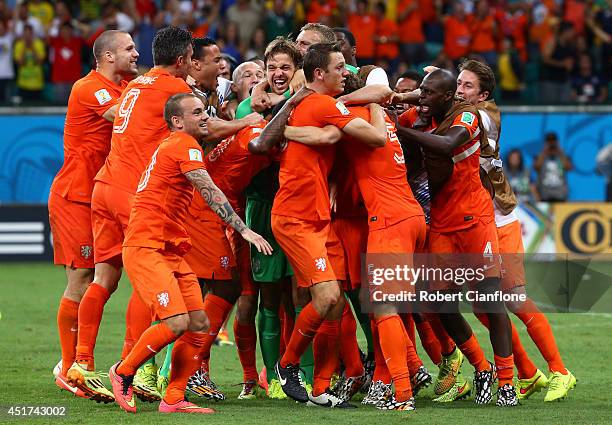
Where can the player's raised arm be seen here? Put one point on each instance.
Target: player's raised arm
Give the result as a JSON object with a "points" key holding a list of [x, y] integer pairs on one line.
{"points": [[454, 137], [273, 132], [221, 206], [374, 134], [314, 136], [376, 93]]}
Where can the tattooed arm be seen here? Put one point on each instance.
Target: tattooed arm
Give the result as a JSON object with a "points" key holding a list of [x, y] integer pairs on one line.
{"points": [[221, 206]]}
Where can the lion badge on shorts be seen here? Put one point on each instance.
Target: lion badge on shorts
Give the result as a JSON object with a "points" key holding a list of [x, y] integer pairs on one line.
{"points": [[163, 299], [224, 261], [86, 251], [320, 264]]}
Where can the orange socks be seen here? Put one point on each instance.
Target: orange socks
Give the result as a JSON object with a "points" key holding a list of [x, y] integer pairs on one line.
{"points": [[349, 350], [217, 309], [246, 342], [395, 346], [138, 318], [185, 361], [326, 351], [541, 333], [524, 366], [429, 342], [447, 345], [150, 343], [473, 352], [67, 326], [505, 369], [381, 371], [90, 316], [303, 333]]}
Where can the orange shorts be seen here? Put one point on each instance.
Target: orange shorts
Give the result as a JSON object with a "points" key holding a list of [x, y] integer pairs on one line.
{"points": [[242, 253], [312, 247], [511, 247], [163, 280], [353, 235], [211, 255], [474, 247], [110, 214], [406, 236], [71, 229]]}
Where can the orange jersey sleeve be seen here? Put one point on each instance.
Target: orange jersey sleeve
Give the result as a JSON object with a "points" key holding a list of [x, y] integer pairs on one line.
{"points": [[467, 120], [164, 194], [87, 136], [139, 127]]}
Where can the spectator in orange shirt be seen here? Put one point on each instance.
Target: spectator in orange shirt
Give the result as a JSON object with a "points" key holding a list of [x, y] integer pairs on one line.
{"points": [[457, 35], [320, 11], [386, 37], [514, 23], [411, 31], [363, 26], [484, 33]]}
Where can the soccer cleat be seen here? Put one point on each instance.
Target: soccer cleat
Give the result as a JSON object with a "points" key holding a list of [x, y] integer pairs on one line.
{"points": [[122, 389], [483, 385], [378, 392], [291, 381], [183, 406], [447, 374], [347, 387], [223, 338], [90, 383], [506, 396], [62, 382], [559, 385], [145, 383], [328, 399], [461, 389], [275, 391], [201, 385], [249, 390], [390, 403], [527, 387], [162, 385], [421, 379]]}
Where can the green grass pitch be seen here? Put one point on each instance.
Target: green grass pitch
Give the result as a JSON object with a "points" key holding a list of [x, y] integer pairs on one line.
{"points": [[28, 303]]}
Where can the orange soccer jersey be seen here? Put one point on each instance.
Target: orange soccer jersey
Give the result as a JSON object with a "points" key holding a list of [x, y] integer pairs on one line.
{"points": [[231, 166], [304, 192], [86, 136], [462, 201], [163, 196], [139, 127]]}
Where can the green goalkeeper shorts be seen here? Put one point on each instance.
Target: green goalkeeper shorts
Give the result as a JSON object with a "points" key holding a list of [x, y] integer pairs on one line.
{"points": [[266, 268]]}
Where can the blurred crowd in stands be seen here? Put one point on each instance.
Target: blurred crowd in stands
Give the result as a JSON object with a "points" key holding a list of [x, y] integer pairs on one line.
{"points": [[543, 51]]}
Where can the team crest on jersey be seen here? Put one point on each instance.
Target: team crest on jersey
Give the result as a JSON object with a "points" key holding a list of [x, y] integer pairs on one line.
{"points": [[224, 261], [86, 251], [195, 155], [103, 96], [163, 299], [468, 118], [320, 264], [340, 106]]}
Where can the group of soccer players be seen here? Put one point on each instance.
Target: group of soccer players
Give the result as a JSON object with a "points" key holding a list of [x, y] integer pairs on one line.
{"points": [[299, 166]]}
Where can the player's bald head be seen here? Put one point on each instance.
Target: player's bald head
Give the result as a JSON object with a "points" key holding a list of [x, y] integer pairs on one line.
{"points": [[442, 79], [106, 42]]}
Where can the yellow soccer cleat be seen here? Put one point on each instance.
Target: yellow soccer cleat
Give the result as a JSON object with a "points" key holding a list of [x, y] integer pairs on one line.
{"points": [[526, 387], [162, 385], [449, 369], [145, 383], [461, 389], [275, 391], [559, 385], [90, 382]]}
